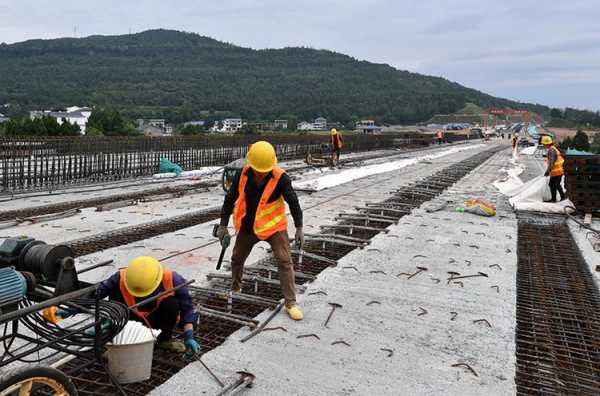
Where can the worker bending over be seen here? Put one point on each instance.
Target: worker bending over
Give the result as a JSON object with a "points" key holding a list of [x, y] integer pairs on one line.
{"points": [[256, 200], [514, 141], [144, 278], [337, 144], [555, 170]]}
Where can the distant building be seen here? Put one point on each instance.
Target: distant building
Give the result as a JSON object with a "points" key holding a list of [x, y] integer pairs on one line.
{"points": [[367, 126], [154, 127], [280, 124], [232, 124], [74, 115], [305, 126], [3, 118], [320, 124], [227, 125]]}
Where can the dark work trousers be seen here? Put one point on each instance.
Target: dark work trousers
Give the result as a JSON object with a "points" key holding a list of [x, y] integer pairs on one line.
{"points": [[245, 241], [556, 186], [163, 319]]}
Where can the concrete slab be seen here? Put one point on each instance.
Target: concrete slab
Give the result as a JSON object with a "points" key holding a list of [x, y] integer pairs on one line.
{"points": [[412, 317]]}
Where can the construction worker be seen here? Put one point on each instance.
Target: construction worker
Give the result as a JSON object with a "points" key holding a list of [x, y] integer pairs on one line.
{"points": [[144, 278], [440, 136], [337, 144], [555, 170], [514, 141], [256, 200]]}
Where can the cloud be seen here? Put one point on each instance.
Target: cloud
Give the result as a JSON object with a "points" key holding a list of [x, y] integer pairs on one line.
{"points": [[514, 48]]}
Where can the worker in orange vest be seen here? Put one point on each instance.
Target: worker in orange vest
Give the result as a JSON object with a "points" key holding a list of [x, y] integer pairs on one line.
{"points": [[514, 141], [555, 170], [440, 136], [143, 278], [257, 201], [337, 144]]}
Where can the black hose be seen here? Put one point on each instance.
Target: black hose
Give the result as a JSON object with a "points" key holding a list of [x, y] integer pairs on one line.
{"points": [[113, 313]]}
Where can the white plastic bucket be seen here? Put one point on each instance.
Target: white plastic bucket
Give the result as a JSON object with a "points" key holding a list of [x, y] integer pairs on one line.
{"points": [[131, 362]]}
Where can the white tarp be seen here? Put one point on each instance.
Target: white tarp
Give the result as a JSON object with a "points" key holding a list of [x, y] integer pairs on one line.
{"points": [[207, 170], [531, 195], [347, 175], [529, 150]]}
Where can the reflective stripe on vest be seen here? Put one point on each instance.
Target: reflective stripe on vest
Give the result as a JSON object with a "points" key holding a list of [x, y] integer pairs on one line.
{"points": [[167, 283], [270, 216], [557, 168]]}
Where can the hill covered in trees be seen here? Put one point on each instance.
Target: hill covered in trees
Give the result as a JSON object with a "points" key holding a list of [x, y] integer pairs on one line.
{"points": [[163, 73]]}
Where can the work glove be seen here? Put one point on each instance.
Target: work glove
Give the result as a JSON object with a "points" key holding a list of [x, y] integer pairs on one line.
{"points": [[190, 342], [299, 237], [54, 314], [223, 235]]}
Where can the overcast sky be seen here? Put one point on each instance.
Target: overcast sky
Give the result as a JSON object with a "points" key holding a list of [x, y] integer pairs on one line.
{"points": [[542, 51]]}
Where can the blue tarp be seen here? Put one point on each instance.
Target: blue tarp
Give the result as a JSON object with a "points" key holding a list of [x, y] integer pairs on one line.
{"points": [[577, 152]]}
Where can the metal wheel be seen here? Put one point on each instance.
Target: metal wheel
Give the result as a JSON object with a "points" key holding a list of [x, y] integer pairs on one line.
{"points": [[38, 380]]}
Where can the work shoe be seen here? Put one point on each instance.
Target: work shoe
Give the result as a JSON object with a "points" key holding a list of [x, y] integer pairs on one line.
{"points": [[294, 312], [172, 346]]}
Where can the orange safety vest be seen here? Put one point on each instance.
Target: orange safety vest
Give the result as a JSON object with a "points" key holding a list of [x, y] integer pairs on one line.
{"points": [[167, 283], [557, 168], [514, 141], [337, 141], [270, 216]]}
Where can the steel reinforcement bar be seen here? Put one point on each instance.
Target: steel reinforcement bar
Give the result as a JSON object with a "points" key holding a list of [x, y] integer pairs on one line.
{"points": [[558, 312], [37, 163], [260, 290]]}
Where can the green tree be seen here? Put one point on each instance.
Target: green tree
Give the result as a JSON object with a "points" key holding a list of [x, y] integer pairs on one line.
{"points": [[596, 143], [556, 113], [248, 130], [192, 130], [566, 143], [581, 141]]}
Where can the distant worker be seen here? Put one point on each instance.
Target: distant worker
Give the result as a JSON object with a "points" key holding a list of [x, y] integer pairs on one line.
{"points": [[337, 144], [440, 136], [256, 200], [514, 141], [144, 278], [555, 169]]}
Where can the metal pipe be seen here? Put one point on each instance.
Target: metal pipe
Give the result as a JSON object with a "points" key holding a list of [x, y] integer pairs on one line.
{"points": [[159, 295], [102, 264], [265, 322], [48, 303]]}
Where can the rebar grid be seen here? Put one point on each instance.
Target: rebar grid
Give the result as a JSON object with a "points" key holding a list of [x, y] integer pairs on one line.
{"points": [[558, 313]]}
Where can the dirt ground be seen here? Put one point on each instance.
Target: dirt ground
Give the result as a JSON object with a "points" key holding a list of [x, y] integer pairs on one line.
{"points": [[562, 133]]}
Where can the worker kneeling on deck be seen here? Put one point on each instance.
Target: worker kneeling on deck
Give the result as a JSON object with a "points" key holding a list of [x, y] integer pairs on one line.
{"points": [[256, 200], [555, 170], [145, 278]]}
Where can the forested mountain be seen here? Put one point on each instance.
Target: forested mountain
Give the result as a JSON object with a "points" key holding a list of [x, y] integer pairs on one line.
{"points": [[177, 75]]}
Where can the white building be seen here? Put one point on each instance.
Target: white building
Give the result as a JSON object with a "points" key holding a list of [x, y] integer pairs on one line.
{"points": [[74, 115], [280, 124], [227, 125], [305, 126], [232, 124], [320, 124], [367, 126]]}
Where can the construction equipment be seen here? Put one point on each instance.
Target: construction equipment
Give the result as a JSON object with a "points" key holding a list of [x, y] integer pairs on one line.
{"points": [[231, 172], [52, 264], [225, 244]]}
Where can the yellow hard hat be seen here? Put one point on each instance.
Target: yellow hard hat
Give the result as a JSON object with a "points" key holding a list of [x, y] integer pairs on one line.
{"points": [[546, 140], [144, 274], [261, 157], [333, 131]]}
